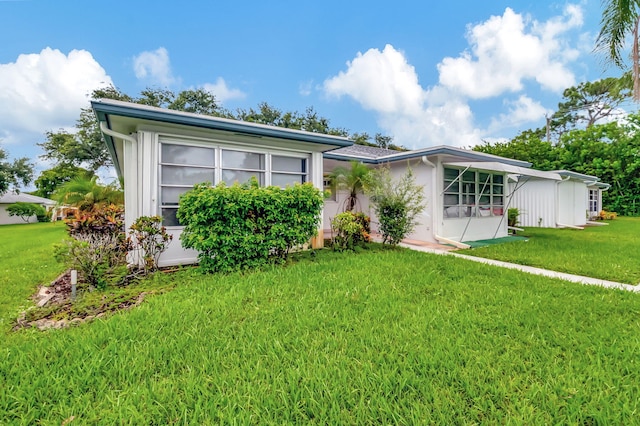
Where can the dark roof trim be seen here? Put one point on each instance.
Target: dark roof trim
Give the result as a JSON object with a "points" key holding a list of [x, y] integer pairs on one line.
{"points": [[438, 150], [105, 108]]}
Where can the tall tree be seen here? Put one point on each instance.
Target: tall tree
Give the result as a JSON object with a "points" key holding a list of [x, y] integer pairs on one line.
{"points": [[591, 101], [49, 180], [14, 173], [620, 19]]}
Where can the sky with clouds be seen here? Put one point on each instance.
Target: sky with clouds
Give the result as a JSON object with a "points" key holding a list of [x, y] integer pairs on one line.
{"points": [[454, 73]]}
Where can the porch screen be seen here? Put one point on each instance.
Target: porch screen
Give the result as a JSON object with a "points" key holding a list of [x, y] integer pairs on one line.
{"points": [[472, 193]]}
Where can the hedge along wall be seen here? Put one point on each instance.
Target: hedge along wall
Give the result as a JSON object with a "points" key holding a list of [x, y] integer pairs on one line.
{"points": [[245, 226]]}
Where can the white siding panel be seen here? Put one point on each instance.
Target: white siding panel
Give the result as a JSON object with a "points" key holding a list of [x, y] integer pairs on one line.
{"points": [[536, 200]]}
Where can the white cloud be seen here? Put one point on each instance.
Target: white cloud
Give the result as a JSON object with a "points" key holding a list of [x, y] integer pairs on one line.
{"points": [[381, 81], [509, 49], [505, 51], [154, 66], [521, 111], [223, 92], [46, 90]]}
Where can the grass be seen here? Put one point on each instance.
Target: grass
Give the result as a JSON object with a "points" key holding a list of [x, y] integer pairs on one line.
{"points": [[26, 260], [382, 336], [606, 252]]}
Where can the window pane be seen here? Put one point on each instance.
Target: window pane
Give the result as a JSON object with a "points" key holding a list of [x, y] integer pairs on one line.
{"points": [[498, 179], [469, 176], [172, 195], [484, 177], [190, 155], [485, 200], [232, 176], [455, 186], [178, 175], [450, 199], [450, 174], [282, 180], [497, 189], [288, 164], [169, 217], [242, 160], [497, 201]]}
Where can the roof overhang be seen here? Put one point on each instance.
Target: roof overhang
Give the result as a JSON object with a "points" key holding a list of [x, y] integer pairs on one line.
{"points": [[505, 168], [127, 117], [428, 152]]}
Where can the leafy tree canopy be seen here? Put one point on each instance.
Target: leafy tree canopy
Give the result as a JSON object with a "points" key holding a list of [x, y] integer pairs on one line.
{"points": [[49, 180], [85, 147], [14, 173]]}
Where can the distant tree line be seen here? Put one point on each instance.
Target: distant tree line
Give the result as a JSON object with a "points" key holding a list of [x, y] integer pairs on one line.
{"points": [[580, 137]]}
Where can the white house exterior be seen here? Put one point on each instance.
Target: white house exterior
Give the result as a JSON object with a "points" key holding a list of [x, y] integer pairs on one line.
{"points": [[161, 154], [569, 202], [466, 191], [11, 198]]}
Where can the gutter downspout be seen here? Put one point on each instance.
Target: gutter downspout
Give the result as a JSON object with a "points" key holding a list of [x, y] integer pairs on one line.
{"points": [[108, 131]]}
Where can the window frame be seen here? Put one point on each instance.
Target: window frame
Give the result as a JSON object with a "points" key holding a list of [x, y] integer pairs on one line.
{"points": [[479, 193], [218, 168]]}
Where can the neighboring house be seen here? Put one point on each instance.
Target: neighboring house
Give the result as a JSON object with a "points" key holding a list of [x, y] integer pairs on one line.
{"points": [[13, 197], [570, 202], [466, 191], [161, 154]]}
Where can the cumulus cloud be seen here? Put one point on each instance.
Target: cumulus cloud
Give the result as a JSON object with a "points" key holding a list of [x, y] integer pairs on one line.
{"points": [[505, 51], [223, 92], [44, 91], [509, 49], [521, 111], [154, 66]]}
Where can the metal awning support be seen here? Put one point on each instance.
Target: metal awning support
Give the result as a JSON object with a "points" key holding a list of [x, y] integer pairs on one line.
{"points": [[475, 206]]}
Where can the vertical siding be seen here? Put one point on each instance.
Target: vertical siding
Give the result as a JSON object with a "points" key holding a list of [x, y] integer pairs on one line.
{"points": [[536, 200]]}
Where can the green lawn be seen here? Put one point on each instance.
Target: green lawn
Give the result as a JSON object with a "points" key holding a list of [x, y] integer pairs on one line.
{"points": [[26, 259], [378, 337], [608, 252]]}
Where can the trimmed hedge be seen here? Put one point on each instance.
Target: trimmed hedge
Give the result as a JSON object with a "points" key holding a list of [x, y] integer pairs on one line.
{"points": [[246, 226]]}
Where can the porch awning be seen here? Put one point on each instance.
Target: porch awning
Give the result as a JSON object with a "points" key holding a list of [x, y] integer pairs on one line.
{"points": [[494, 166]]}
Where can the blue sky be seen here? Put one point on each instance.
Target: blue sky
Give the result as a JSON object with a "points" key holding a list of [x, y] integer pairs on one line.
{"points": [[426, 73]]}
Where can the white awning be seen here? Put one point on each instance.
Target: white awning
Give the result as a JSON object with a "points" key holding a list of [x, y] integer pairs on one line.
{"points": [[494, 166]]}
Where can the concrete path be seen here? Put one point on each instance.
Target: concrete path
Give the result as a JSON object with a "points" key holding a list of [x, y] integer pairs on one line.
{"points": [[528, 269]]}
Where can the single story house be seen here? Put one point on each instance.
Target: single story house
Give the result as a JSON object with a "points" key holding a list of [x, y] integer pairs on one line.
{"points": [[467, 192], [161, 154], [571, 202], [12, 197]]}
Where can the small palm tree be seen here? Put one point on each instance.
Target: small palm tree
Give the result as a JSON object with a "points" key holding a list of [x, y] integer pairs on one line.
{"points": [[351, 179], [87, 194], [620, 18]]}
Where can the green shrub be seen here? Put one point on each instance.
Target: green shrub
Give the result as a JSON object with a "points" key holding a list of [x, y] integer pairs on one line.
{"points": [[512, 216], [43, 215], [98, 249], [350, 229], [148, 240], [245, 226], [397, 203]]}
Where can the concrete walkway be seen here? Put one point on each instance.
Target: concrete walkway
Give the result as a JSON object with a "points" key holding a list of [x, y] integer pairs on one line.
{"points": [[528, 269]]}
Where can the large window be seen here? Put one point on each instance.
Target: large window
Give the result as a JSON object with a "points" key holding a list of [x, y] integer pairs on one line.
{"points": [[472, 193], [182, 166]]}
